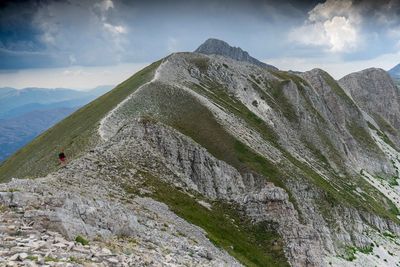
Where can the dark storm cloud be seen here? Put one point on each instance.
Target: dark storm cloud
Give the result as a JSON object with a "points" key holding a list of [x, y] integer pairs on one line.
{"points": [[61, 33]]}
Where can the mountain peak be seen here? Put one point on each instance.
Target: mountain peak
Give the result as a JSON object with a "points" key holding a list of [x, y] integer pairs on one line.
{"points": [[214, 46], [377, 73], [395, 72]]}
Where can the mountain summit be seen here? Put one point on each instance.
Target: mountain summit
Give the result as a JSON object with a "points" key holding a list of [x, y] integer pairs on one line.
{"points": [[218, 47]]}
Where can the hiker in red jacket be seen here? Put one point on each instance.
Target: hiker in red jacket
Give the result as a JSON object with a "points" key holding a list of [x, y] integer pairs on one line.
{"points": [[62, 157]]}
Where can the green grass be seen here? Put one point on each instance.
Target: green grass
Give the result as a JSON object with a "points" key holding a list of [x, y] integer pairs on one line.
{"points": [[316, 152], [350, 251], [302, 86], [362, 136], [392, 180], [285, 106], [75, 260], [75, 133], [2, 208], [331, 149], [191, 118], [32, 258], [81, 240], [337, 89], [201, 63], [389, 234], [382, 135], [385, 128], [273, 93], [50, 259], [338, 192], [384, 125], [220, 96], [251, 244]]}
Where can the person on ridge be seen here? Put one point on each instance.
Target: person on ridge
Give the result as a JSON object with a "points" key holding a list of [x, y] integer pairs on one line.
{"points": [[62, 157]]}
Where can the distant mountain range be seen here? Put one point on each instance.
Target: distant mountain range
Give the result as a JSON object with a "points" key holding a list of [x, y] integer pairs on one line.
{"points": [[26, 113], [14, 102], [395, 73]]}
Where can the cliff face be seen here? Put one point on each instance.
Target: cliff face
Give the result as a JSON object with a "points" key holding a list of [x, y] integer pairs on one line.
{"points": [[272, 167], [376, 94], [306, 120]]}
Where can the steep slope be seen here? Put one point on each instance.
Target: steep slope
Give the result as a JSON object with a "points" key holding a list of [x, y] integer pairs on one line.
{"points": [[287, 160], [376, 94], [76, 133]]}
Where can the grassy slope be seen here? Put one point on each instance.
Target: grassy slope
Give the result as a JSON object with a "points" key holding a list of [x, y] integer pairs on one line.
{"points": [[74, 134], [191, 118], [194, 120], [188, 116], [340, 190], [251, 244]]}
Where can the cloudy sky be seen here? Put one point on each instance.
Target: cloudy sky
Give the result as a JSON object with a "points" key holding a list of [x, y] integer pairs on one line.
{"points": [[85, 43]]}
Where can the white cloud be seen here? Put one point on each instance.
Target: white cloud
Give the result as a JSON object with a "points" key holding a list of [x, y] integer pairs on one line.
{"points": [[334, 25], [104, 7], [115, 29], [341, 34]]}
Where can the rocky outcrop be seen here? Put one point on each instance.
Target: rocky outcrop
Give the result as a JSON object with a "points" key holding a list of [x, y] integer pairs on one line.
{"points": [[194, 168], [180, 161], [218, 47], [326, 118], [91, 197], [343, 125], [374, 91], [88, 203]]}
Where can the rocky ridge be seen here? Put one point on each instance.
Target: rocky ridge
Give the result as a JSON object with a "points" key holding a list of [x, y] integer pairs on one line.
{"points": [[311, 167], [88, 204], [385, 108], [170, 75]]}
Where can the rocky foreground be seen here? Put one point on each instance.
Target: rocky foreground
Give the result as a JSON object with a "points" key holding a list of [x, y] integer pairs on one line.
{"points": [[70, 219]]}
